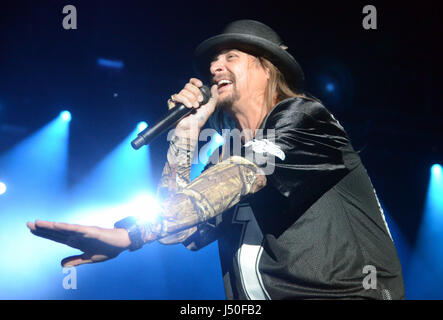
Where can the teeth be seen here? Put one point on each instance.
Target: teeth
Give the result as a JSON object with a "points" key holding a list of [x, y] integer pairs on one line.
{"points": [[222, 82]]}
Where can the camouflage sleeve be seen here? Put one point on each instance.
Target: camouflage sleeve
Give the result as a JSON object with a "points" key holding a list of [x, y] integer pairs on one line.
{"points": [[175, 177], [176, 172], [213, 192]]}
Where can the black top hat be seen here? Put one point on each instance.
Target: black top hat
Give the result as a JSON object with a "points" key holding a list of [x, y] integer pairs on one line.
{"points": [[255, 38]]}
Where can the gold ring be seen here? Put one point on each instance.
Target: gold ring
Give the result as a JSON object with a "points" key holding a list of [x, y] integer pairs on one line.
{"points": [[171, 102]]}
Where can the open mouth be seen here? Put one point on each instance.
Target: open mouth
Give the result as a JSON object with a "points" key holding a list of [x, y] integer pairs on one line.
{"points": [[221, 84]]}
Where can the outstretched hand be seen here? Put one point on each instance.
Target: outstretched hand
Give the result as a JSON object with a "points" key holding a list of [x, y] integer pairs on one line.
{"points": [[97, 244]]}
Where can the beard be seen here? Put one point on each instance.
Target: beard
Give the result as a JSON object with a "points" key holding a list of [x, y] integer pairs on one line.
{"points": [[228, 100]]}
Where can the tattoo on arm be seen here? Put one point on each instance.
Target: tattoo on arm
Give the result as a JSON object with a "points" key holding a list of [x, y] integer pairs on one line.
{"points": [[213, 192], [176, 172]]}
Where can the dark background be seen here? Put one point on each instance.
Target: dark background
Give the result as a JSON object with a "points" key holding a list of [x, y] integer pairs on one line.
{"points": [[386, 95]]}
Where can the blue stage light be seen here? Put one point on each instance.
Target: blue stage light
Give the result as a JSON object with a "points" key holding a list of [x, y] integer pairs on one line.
{"points": [[428, 253], [2, 188], [435, 191], [144, 207], [35, 171], [65, 115], [141, 126], [218, 139], [436, 170], [121, 174], [330, 87], [114, 64]]}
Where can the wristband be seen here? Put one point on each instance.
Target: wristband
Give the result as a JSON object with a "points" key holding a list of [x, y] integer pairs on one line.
{"points": [[130, 225]]}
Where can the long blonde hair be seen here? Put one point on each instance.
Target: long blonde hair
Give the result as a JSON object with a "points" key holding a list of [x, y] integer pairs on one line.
{"points": [[276, 90]]}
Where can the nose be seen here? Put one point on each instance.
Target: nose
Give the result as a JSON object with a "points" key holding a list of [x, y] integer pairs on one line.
{"points": [[216, 67]]}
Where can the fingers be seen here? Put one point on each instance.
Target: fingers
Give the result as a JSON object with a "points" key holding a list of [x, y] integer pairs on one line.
{"points": [[187, 98], [76, 260], [210, 106], [195, 90], [84, 258], [40, 224], [57, 226], [76, 228], [196, 82], [98, 244], [214, 92], [31, 225], [51, 235], [190, 95], [64, 233]]}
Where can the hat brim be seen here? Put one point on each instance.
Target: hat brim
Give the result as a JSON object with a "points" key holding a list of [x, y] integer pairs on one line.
{"points": [[251, 44]]}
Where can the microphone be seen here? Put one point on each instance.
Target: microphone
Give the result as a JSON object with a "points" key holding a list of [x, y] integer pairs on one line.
{"points": [[172, 118]]}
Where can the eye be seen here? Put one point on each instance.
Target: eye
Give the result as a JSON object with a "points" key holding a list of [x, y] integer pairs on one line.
{"points": [[231, 55]]}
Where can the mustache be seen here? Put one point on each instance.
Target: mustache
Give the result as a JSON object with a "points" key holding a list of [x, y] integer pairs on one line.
{"points": [[227, 76]]}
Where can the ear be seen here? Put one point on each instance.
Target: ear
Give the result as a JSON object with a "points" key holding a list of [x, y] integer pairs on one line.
{"points": [[268, 73], [263, 66]]}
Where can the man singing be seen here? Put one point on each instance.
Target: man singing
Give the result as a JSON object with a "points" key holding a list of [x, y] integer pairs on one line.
{"points": [[293, 209]]}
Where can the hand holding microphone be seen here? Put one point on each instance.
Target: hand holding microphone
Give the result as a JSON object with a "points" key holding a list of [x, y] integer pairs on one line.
{"points": [[192, 107]]}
